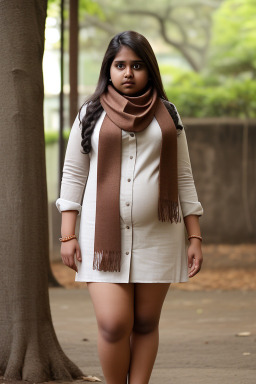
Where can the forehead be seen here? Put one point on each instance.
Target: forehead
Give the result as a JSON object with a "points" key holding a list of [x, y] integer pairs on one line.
{"points": [[126, 54]]}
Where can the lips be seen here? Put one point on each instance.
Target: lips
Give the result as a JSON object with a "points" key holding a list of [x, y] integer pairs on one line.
{"points": [[128, 83]]}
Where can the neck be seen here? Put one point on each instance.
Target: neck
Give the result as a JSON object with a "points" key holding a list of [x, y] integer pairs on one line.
{"points": [[140, 93]]}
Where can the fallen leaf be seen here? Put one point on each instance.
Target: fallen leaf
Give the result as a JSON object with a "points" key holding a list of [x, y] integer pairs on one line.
{"points": [[91, 378], [243, 334]]}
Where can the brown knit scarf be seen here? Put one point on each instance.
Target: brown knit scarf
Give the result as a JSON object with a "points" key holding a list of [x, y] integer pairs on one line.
{"points": [[132, 114]]}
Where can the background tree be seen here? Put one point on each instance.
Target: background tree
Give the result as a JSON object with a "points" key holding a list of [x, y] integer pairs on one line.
{"points": [[183, 25], [29, 347], [234, 39], [227, 86]]}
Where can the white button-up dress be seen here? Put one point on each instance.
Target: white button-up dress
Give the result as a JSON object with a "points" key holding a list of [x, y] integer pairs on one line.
{"points": [[152, 251]]}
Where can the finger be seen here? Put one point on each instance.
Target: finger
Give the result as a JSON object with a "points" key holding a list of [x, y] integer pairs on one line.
{"points": [[190, 261], [78, 254], [69, 262], [64, 260], [195, 269], [72, 264], [74, 267]]}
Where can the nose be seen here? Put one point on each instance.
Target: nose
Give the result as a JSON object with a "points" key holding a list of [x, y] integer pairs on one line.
{"points": [[128, 72]]}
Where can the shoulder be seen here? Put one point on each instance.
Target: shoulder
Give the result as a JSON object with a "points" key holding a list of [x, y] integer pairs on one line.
{"points": [[90, 111], [82, 111], [174, 113]]}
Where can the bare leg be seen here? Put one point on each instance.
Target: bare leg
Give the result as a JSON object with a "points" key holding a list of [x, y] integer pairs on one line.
{"points": [[113, 305], [148, 301]]}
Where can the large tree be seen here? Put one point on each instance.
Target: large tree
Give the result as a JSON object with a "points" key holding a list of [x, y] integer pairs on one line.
{"points": [[183, 25], [29, 347]]}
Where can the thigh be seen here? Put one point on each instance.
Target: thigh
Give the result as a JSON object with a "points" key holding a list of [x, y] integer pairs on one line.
{"points": [[148, 302], [113, 305]]}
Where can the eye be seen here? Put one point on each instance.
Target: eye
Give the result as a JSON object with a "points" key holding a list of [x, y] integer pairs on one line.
{"points": [[119, 66], [137, 66]]}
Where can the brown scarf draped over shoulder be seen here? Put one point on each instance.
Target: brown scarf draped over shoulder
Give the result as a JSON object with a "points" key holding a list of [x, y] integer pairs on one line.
{"points": [[132, 114]]}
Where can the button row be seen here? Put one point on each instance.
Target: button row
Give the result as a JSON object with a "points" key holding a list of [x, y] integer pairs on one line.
{"points": [[128, 203]]}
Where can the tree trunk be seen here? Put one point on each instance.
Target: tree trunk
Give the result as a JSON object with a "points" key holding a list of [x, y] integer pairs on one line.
{"points": [[29, 347]]}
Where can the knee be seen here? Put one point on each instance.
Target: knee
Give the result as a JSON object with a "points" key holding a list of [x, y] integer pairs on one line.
{"points": [[113, 331], [145, 325]]}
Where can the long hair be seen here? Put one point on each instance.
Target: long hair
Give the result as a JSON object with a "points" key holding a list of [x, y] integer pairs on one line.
{"points": [[140, 45]]}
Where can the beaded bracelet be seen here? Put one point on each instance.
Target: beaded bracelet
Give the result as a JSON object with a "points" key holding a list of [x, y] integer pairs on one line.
{"points": [[195, 237], [67, 238]]}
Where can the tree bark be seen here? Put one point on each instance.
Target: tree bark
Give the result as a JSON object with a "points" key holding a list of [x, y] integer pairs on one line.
{"points": [[29, 347]]}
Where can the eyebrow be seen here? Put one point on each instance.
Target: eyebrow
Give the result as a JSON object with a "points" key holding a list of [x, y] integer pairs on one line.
{"points": [[132, 61]]}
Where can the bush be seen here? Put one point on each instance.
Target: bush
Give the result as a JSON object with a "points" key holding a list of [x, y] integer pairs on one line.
{"points": [[206, 95], [52, 137]]}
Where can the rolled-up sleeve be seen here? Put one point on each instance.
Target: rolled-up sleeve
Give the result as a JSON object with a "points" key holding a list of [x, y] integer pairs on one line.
{"points": [[75, 172], [187, 191]]}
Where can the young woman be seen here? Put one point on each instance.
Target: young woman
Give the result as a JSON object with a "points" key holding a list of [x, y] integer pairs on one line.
{"points": [[127, 170]]}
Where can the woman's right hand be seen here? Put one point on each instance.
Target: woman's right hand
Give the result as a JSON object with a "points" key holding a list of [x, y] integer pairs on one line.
{"points": [[69, 250]]}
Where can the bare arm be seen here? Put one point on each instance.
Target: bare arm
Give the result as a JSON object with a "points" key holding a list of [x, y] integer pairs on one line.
{"points": [[69, 249], [74, 178], [195, 256], [68, 223]]}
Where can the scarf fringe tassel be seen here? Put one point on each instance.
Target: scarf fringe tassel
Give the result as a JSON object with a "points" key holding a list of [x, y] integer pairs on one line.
{"points": [[107, 261], [168, 211]]}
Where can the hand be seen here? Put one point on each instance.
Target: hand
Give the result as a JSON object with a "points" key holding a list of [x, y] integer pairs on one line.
{"points": [[195, 257], [69, 250]]}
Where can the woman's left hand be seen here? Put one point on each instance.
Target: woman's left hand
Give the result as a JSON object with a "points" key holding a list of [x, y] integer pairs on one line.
{"points": [[195, 257]]}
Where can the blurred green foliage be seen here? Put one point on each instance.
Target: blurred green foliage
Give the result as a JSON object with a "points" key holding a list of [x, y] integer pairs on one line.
{"points": [[91, 7], [234, 38], [52, 137], [206, 95], [227, 86]]}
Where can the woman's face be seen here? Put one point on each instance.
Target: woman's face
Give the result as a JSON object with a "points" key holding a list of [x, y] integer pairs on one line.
{"points": [[128, 72]]}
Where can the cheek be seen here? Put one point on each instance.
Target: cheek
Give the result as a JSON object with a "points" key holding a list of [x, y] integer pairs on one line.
{"points": [[111, 72], [114, 74], [144, 78]]}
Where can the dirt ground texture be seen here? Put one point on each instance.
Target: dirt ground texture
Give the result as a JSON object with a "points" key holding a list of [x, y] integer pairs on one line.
{"points": [[207, 327], [201, 335]]}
